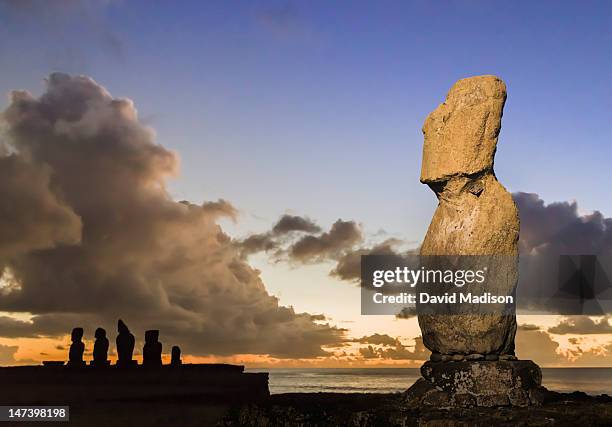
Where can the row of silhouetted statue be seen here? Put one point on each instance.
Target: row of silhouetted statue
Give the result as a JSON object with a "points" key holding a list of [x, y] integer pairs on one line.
{"points": [[151, 352]]}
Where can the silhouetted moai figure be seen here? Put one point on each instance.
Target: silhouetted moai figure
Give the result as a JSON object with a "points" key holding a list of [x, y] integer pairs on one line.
{"points": [[125, 345], [176, 356], [151, 352], [75, 356], [100, 351]]}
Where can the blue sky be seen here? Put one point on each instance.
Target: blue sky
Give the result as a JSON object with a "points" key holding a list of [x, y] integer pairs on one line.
{"points": [[316, 108]]}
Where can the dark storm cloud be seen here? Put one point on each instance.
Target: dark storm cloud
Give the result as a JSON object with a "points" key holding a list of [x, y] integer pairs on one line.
{"points": [[558, 228], [114, 244], [582, 325]]}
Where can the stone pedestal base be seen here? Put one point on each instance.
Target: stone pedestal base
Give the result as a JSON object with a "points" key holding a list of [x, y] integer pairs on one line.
{"points": [[477, 383]]}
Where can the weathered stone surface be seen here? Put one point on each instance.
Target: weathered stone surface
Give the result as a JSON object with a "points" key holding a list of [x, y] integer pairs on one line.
{"points": [[464, 400], [519, 397], [475, 214], [477, 383], [474, 356], [499, 383], [438, 399], [374, 410], [435, 357], [492, 400], [418, 391], [461, 134]]}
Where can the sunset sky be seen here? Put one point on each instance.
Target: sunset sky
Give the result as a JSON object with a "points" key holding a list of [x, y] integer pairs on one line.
{"points": [[210, 169]]}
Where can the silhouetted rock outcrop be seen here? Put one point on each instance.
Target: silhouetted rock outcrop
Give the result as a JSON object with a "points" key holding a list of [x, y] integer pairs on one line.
{"points": [[125, 345], [100, 352], [75, 356], [176, 356], [152, 350]]}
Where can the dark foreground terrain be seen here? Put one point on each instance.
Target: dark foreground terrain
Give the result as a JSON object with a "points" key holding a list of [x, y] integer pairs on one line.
{"points": [[328, 409], [323, 409], [223, 395]]}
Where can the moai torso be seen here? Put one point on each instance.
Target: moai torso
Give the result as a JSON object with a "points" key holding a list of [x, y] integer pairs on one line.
{"points": [[152, 350], [100, 351], [475, 214], [125, 344], [75, 354]]}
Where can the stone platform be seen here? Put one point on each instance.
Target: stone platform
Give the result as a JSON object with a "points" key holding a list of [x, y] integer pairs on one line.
{"points": [[477, 383], [45, 385]]}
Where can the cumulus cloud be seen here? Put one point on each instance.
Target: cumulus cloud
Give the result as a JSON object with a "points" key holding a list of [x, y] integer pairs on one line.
{"points": [[349, 264], [342, 235], [377, 339], [7, 354], [32, 216], [582, 325], [395, 350], [289, 223], [537, 345], [300, 240], [220, 208], [558, 228], [528, 327], [286, 227], [407, 313], [111, 242]]}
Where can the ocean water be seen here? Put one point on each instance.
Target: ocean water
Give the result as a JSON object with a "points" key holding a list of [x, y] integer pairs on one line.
{"points": [[389, 380]]}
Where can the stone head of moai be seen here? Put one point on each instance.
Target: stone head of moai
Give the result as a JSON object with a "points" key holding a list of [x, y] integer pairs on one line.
{"points": [[75, 354], [151, 336], [461, 134], [100, 334], [76, 335], [122, 327]]}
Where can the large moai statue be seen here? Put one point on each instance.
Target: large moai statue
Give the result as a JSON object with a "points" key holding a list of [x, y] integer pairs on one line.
{"points": [[475, 214], [472, 360]]}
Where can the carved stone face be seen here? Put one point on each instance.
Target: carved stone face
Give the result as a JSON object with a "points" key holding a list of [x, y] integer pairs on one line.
{"points": [[461, 134]]}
